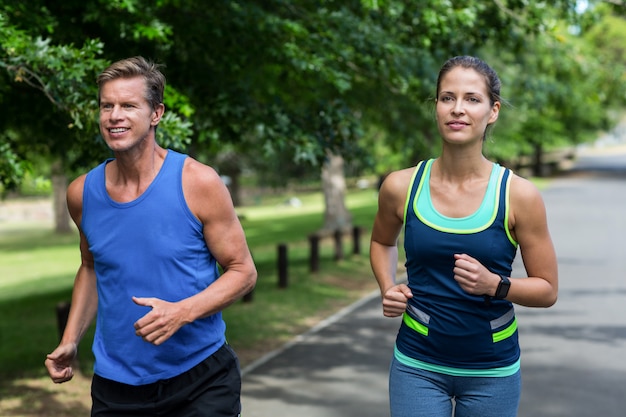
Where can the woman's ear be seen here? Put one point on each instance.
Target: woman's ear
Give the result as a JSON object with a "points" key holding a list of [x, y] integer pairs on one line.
{"points": [[495, 112]]}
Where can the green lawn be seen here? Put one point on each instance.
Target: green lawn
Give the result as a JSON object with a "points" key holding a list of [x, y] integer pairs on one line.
{"points": [[37, 269]]}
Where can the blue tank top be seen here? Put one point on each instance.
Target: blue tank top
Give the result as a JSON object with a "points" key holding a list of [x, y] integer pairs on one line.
{"points": [[150, 247], [444, 328]]}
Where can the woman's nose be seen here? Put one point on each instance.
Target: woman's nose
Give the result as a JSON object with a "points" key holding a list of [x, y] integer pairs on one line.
{"points": [[458, 107]]}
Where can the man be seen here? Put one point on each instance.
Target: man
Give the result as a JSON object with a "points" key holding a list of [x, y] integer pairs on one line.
{"points": [[154, 226]]}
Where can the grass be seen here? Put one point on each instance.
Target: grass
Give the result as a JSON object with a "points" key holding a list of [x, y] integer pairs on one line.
{"points": [[37, 268], [35, 261]]}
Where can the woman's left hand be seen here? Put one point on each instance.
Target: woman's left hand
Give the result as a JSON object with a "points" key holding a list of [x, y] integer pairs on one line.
{"points": [[473, 277]]}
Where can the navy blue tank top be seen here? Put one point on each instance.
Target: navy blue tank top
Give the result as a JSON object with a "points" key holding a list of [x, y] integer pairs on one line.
{"points": [[152, 246], [444, 326]]}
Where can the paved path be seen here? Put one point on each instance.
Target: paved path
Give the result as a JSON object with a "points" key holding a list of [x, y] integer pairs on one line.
{"points": [[339, 369], [573, 360]]}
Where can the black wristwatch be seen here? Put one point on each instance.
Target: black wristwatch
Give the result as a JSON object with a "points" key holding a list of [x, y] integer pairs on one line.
{"points": [[503, 288]]}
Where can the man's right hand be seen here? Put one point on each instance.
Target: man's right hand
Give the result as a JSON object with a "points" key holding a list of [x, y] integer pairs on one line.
{"points": [[59, 362]]}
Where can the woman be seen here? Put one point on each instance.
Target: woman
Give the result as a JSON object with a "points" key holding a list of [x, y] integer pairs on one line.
{"points": [[464, 217]]}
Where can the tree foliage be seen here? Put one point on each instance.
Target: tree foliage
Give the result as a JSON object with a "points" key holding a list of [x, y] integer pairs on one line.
{"points": [[285, 82], [65, 128], [562, 90]]}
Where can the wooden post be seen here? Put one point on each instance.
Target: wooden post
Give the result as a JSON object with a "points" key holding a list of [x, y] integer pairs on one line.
{"points": [[63, 312], [356, 240], [314, 256], [282, 265], [248, 297], [338, 245]]}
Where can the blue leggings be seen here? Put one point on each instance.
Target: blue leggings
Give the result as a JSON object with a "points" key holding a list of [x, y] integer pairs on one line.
{"points": [[418, 393]]}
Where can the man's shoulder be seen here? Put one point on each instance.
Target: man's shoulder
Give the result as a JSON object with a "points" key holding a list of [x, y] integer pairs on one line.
{"points": [[196, 167], [77, 184], [199, 175]]}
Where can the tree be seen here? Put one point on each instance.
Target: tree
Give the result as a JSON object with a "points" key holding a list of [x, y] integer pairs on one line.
{"points": [[38, 64], [258, 77], [605, 39], [560, 91], [65, 76]]}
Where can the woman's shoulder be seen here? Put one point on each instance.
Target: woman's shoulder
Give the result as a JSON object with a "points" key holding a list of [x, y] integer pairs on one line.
{"points": [[524, 194], [394, 189], [399, 179]]}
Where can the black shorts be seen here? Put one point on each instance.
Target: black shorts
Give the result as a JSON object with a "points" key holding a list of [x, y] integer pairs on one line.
{"points": [[212, 388]]}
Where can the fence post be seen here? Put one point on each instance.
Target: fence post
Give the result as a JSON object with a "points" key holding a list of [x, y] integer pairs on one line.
{"points": [[248, 297], [356, 240], [314, 255], [63, 311], [338, 245], [282, 265]]}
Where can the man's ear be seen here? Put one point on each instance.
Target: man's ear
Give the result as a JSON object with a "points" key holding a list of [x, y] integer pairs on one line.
{"points": [[157, 114]]}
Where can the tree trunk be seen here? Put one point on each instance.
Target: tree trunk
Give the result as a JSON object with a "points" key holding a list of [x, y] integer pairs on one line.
{"points": [[59, 205], [228, 164], [538, 169], [234, 188], [336, 215]]}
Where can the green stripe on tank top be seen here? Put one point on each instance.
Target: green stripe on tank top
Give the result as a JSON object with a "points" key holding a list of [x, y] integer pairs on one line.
{"points": [[414, 324], [503, 334]]}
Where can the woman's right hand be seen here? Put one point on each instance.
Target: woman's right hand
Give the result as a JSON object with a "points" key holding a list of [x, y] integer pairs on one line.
{"points": [[395, 300]]}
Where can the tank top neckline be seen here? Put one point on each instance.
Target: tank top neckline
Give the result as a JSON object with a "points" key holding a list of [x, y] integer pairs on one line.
{"points": [[145, 193]]}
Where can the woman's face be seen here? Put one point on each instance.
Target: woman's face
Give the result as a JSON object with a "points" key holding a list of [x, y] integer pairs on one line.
{"points": [[463, 107]]}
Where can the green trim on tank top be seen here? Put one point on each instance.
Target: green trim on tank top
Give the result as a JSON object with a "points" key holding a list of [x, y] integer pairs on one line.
{"points": [[503, 371], [408, 192], [476, 222]]}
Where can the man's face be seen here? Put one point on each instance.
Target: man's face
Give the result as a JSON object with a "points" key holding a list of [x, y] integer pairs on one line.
{"points": [[126, 117]]}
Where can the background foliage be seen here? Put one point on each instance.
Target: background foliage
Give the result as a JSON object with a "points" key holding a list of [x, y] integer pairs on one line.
{"points": [[272, 86]]}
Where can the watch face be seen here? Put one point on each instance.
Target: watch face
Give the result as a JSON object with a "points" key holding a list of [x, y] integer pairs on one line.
{"points": [[503, 288]]}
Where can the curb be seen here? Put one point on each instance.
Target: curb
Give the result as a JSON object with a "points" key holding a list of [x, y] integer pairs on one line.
{"points": [[302, 337]]}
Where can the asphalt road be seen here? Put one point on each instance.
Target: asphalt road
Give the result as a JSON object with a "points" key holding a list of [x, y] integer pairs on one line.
{"points": [[573, 354]]}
